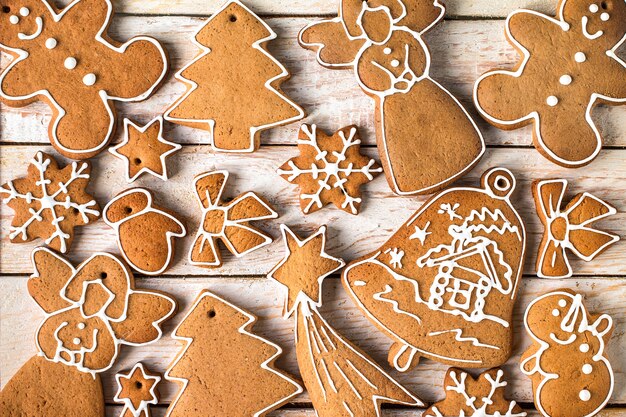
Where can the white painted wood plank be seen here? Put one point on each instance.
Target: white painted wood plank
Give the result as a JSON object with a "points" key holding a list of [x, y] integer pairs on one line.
{"points": [[21, 317], [461, 51], [349, 236]]}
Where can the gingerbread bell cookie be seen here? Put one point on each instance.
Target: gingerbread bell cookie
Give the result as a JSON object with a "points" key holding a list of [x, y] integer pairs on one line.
{"points": [[474, 397], [569, 66], [137, 390], [50, 202], [145, 231], [144, 150], [225, 369], [341, 380], [436, 142], [65, 58], [444, 285], [233, 86], [568, 228], [329, 169], [567, 362], [227, 222]]}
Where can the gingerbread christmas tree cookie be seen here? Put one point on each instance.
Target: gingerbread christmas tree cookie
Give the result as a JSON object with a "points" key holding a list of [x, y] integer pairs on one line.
{"points": [[225, 369], [569, 66], [137, 390], [50, 202], [341, 379], [227, 222], [144, 150], [66, 59], [329, 169], [233, 86]]}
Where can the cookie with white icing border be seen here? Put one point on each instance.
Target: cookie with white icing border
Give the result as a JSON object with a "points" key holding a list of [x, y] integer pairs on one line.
{"points": [[145, 231], [137, 390], [569, 66], [567, 362], [65, 58]]}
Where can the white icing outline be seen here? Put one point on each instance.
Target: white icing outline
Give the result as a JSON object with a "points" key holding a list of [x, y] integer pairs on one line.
{"points": [[534, 116], [435, 199], [35, 34], [142, 129], [128, 403], [211, 239], [576, 307], [393, 90], [567, 244], [101, 314], [245, 329], [22, 55], [192, 85], [169, 235]]}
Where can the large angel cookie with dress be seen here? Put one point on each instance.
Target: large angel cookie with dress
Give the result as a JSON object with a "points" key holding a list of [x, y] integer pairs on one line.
{"points": [[425, 137]]}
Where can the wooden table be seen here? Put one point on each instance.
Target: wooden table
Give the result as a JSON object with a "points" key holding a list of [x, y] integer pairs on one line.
{"points": [[468, 43]]}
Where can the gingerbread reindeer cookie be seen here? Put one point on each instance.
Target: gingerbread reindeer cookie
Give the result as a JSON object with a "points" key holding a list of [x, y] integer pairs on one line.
{"points": [[569, 66], [435, 142], [567, 362]]}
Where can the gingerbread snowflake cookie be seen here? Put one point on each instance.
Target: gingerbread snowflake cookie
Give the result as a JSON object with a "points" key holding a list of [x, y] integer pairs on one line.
{"points": [[567, 362], [568, 228], [65, 58], [50, 202], [145, 231], [144, 150], [569, 66], [233, 85], [227, 222], [137, 390], [330, 169], [475, 397]]}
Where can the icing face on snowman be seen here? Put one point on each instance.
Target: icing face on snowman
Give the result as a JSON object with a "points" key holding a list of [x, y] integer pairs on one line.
{"points": [[21, 21], [598, 19]]}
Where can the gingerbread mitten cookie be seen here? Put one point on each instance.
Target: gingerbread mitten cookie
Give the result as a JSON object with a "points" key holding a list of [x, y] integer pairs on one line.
{"points": [[568, 228], [436, 142], [569, 66], [137, 390], [65, 58], [50, 202], [444, 286], [567, 362], [330, 169], [145, 232], [233, 86]]}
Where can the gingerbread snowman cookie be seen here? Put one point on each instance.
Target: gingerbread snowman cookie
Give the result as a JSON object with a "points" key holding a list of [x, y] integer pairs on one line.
{"points": [[569, 66], [65, 58]]}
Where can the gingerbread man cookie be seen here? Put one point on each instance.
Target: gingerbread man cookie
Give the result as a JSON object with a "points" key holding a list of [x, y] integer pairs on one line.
{"points": [[137, 390], [145, 232], [233, 86], [50, 202], [569, 66], [568, 228], [65, 58], [330, 169], [144, 150], [567, 362]]}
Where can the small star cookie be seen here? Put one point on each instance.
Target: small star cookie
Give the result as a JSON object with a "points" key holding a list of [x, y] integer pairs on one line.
{"points": [[144, 149], [137, 391]]}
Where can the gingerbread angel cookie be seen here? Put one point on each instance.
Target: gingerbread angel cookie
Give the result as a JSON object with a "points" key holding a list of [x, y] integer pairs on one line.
{"points": [[137, 390], [145, 232], [436, 142], [329, 169], [569, 66], [568, 228], [233, 86], [65, 58], [227, 222], [444, 285], [567, 362], [50, 202]]}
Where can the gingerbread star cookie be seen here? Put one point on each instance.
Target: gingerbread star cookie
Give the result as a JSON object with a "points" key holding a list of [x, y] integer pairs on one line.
{"points": [[144, 150], [137, 390], [330, 169], [227, 222], [65, 58], [50, 202], [569, 66]]}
